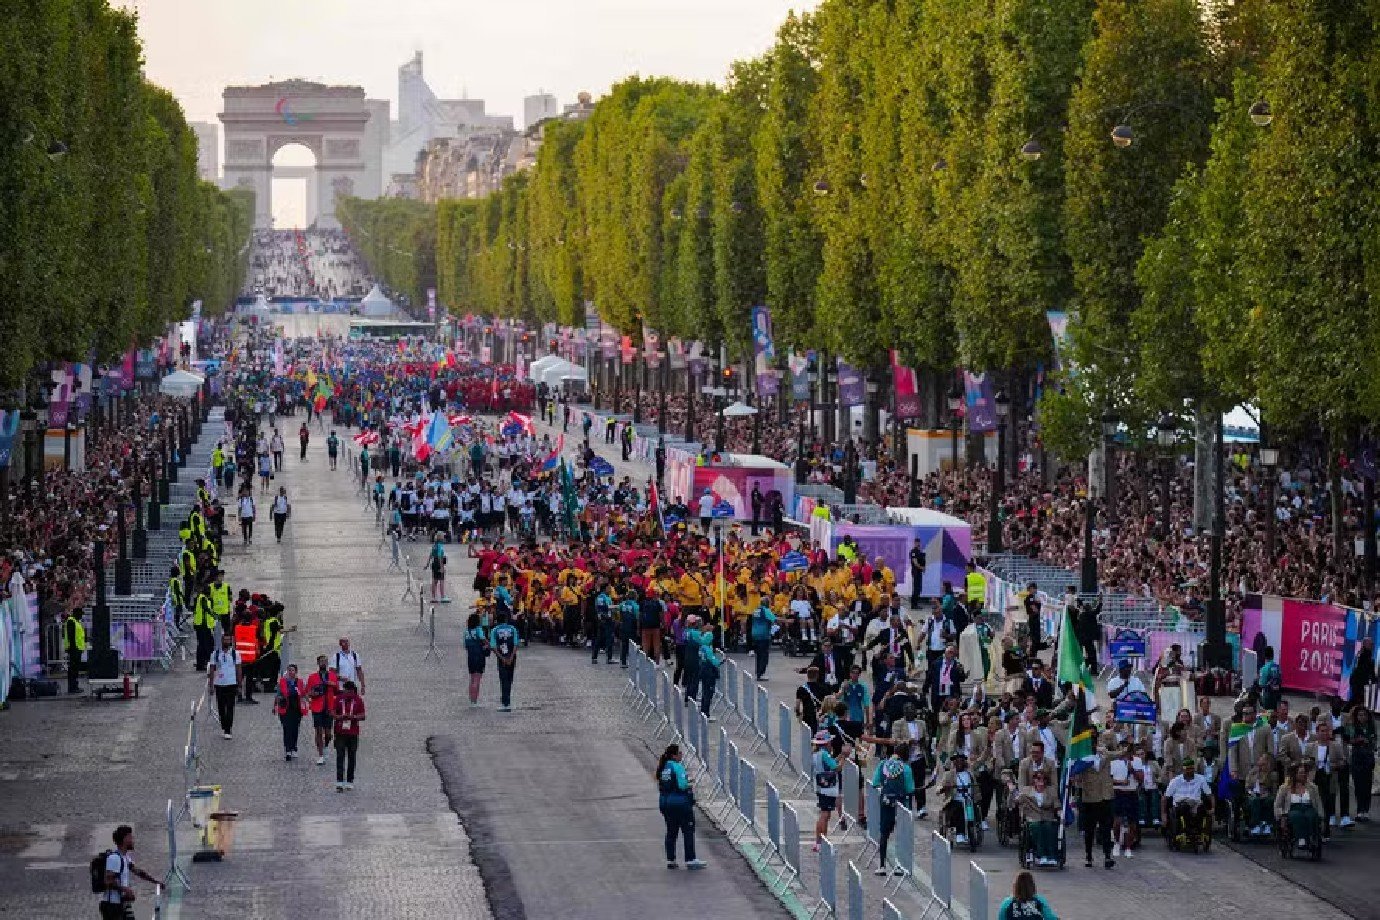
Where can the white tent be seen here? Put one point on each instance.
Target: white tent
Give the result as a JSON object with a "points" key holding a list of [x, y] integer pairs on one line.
{"points": [[553, 374], [375, 304], [183, 384], [739, 410], [535, 369]]}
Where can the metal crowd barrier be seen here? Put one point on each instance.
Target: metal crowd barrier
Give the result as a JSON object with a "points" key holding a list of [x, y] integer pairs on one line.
{"points": [[724, 772]]}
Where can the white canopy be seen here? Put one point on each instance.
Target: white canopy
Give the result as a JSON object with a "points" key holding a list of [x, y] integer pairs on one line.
{"points": [[561, 369], [179, 383], [535, 368], [739, 410], [375, 304], [924, 517]]}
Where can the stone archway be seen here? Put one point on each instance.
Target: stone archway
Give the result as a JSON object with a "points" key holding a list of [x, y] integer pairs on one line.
{"points": [[333, 122]]}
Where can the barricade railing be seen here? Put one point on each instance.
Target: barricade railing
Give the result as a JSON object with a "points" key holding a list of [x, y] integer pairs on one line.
{"points": [[790, 847], [903, 853], [175, 871], [771, 847], [828, 901], [979, 897], [805, 744], [783, 739], [849, 800], [761, 719], [857, 898]]}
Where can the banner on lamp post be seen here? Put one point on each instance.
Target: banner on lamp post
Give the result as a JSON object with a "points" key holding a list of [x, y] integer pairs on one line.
{"points": [[799, 366], [982, 410], [907, 390], [852, 390]]}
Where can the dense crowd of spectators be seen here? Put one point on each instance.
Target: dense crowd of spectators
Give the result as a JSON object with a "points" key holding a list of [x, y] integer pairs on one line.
{"points": [[305, 263], [1043, 514], [55, 519]]}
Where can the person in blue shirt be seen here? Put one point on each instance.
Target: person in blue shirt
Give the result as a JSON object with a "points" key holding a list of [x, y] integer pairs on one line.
{"points": [[897, 784], [603, 628], [853, 693], [710, 660], [759, 625], [676, 801], [628, 617], [476, 653], [503, 639]]}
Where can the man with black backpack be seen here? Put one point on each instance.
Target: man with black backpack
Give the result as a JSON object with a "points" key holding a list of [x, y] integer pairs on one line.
{"points": [[504, 640], [110, 872]]}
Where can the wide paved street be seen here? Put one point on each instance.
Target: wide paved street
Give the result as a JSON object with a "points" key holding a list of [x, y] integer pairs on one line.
{"points": [[556, 810]]}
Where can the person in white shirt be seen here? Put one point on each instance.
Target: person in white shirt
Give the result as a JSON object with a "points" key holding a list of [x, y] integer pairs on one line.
{"points": [[347, 664], [1188, 795], [224, 672], [119, 866], [706, 505], [247, 518], [281, 510], [1127, 779], [1124, 681]]}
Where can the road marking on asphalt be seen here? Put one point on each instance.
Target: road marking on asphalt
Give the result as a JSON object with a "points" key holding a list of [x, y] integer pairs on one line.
{"points": [[253, 834], [1181, 876], [387, 827], [47, 843], [320, 831]]}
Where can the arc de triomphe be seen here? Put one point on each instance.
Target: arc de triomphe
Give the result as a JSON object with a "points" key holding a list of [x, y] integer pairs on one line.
{"points": [[333, 122]]}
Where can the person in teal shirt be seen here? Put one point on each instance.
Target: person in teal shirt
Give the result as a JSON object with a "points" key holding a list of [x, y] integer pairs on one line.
{"points": [[1024, 903], [760, 624], [503, 639], [476, 653], [676, 801], [897, 784], [710, 660]]}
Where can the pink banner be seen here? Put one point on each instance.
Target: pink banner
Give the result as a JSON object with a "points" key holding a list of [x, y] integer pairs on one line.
{"points": [[907, 392], [1312, 636]]}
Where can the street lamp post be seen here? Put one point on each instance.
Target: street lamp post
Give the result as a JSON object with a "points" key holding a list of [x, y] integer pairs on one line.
{"points": [[1110, 423], [155, 509], [801, 468], [1088, 575], [141, 538], [1166, 435], [850, 474], [640, 378], [828, 412], [1002, 404], [955, 400], [1269, 458], [663, 371], [1216, 653], [719, 405]]}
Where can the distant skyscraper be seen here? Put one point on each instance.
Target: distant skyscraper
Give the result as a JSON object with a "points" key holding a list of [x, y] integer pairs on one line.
{"points": [[535, 108], [207, 150]]}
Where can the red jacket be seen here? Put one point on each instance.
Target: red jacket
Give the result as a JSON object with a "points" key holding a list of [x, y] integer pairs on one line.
{"points": [[322, 702], [280, 704]]}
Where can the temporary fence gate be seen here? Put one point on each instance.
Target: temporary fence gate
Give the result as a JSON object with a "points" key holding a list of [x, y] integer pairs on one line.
{"points": [[857, 903], [772, 847], [762, 719], [828, 881], [903, 853], [852, 789], [790, 846], [806, 779], [979, 899], [872, 840], [783, 739]]}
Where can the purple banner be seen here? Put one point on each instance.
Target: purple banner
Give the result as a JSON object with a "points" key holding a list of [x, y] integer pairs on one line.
{"points": [[767, 383], [982, 411], [852, 391]]}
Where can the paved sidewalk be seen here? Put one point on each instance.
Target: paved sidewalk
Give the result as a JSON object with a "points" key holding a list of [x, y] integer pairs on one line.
{"points": [[557, 808]]}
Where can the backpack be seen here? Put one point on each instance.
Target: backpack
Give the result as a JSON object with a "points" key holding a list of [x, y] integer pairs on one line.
{"points": [[98, 885]]}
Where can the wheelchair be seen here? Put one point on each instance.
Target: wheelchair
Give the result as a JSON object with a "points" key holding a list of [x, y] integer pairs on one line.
{"points": [[972, 821], [1025, 849], [1238, 823], [1288, 841], [1009, 824], [1194, 835]]}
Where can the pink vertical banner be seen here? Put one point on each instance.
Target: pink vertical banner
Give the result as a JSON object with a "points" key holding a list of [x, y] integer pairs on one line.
{"points": [[128, 369], [907, 392], [1312, 636]]}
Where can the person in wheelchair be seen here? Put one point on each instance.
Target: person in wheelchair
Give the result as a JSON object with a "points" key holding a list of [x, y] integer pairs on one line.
{"points": [[1039, 809], [1187, 804], [958, 797], [1258, 796], [1299, 805]]}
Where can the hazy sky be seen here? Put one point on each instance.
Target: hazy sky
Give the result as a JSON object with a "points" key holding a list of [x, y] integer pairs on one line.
{"points": [[496, 51]]}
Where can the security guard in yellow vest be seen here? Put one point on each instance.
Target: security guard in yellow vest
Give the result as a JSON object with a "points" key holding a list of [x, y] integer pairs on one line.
{"points": [[177, 594], [202, 496], [271, 639], [74, 643], [204, 621], [188, 563], [198, 524], [208, 546], [184, 533], [976, 585], [220, 597]]}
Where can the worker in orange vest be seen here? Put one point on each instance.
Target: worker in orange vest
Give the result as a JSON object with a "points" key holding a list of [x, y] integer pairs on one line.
{"points": [[247, 644]]}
